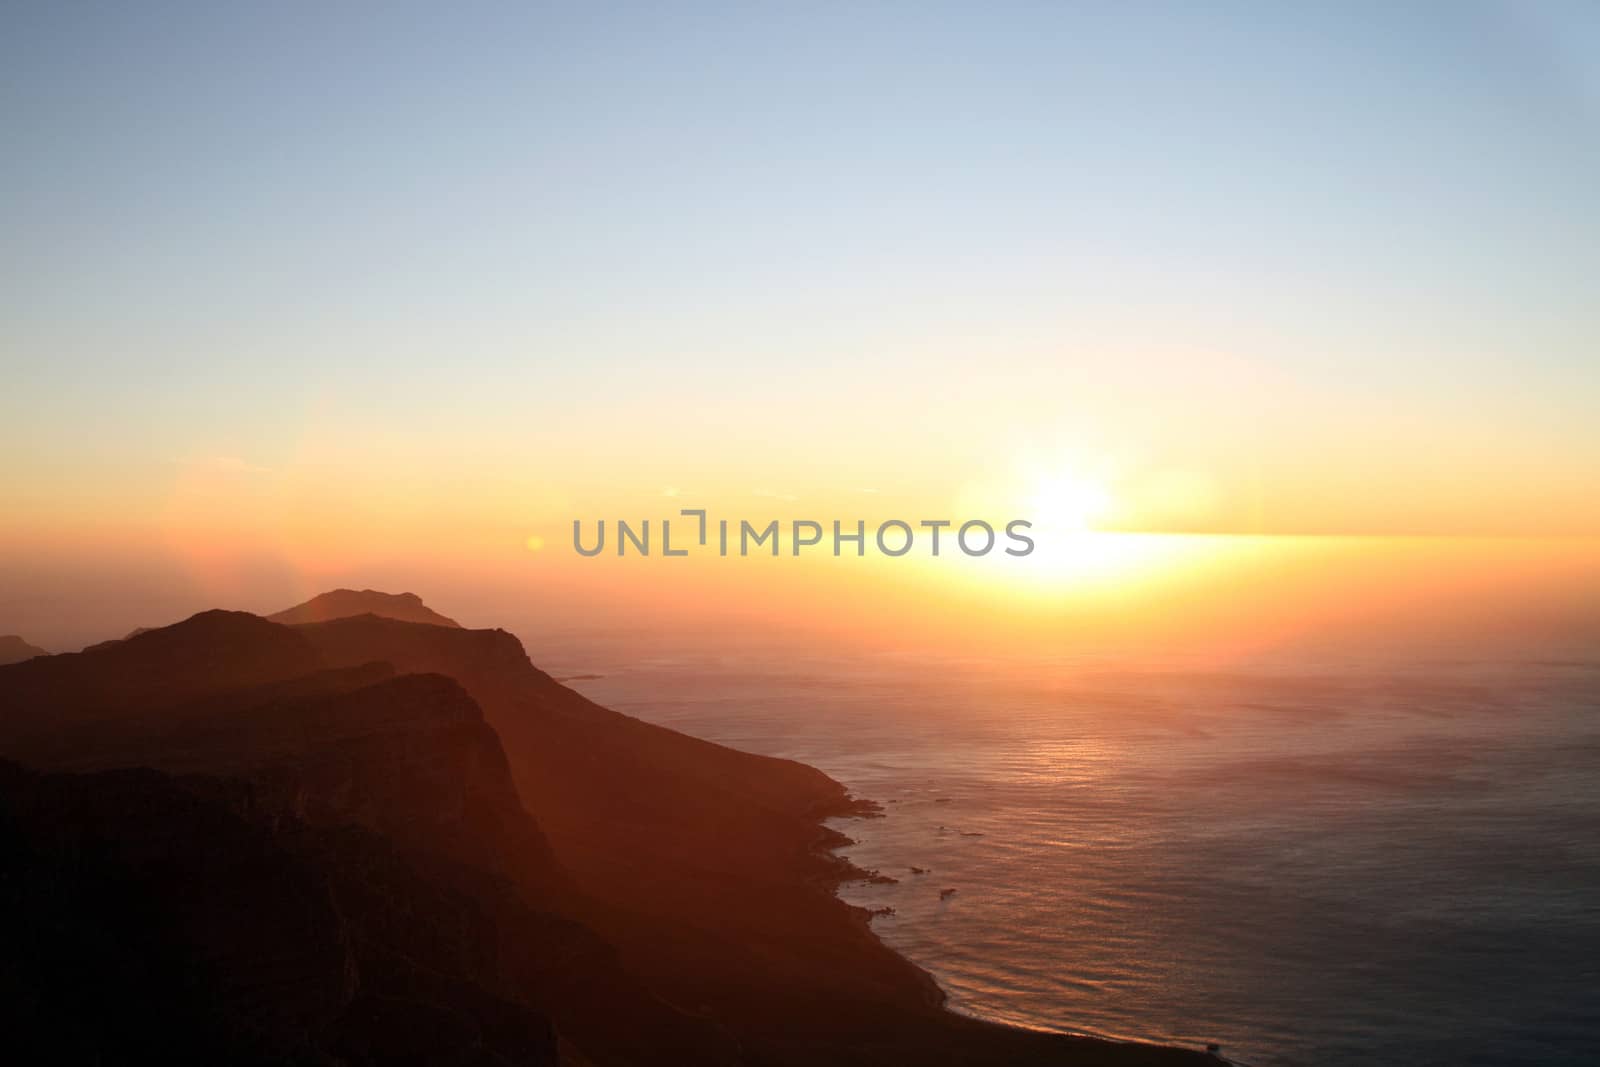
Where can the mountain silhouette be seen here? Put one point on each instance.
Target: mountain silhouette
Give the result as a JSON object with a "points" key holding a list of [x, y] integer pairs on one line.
{"points": [[362, 767], [14, 649], [209, 652], [343, 603], [370, 840]]}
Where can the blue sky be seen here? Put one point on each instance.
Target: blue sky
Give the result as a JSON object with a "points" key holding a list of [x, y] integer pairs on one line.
{"points": [[509, 225]]}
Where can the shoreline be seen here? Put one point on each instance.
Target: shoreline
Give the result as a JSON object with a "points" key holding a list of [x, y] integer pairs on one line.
{"points": [[845, 871], [832, 840]]}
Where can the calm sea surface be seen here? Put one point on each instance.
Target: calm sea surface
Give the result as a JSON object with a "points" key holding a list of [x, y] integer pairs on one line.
{"points": [[1320, 863]]}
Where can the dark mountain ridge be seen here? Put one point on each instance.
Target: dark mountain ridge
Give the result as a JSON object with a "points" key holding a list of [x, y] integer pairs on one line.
{"points": [[515, 871], [363, 773], [211, 652]]}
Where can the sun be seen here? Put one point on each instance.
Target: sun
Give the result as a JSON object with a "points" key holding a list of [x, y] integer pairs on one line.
{"points": [[1064, 503]]}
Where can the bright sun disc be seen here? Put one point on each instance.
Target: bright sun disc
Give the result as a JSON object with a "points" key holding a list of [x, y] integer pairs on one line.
{"points": [[1067, 505]]}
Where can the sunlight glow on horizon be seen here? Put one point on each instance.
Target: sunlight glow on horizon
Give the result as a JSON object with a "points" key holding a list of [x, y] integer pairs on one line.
{"points": [[1197, 293]]}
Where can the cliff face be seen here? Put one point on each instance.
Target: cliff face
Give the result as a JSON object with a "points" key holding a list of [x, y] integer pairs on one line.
{"points": [[408, 756], [387, 791], [706, 864], [156, 919]]}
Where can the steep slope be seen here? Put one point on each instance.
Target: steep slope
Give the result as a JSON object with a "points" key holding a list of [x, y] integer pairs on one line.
{"points": [[407, 756], [377, 781], [344, 603], [153, 919], [14, 649]]}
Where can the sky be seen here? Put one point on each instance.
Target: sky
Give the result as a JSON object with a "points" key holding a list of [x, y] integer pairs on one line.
{"points": [[296, 288]]}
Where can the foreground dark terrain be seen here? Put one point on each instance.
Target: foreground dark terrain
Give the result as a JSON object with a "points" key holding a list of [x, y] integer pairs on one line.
{"points": [[362, 834]]}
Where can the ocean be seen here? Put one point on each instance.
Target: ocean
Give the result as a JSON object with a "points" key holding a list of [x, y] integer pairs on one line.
{"points": [[1306, 861]]}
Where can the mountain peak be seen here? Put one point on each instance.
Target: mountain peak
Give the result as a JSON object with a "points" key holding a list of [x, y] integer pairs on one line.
{"points": [[14, 649], [347, 603]]}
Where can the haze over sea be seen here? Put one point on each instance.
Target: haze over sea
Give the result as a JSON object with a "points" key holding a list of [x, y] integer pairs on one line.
{"points": [[1343, 857]]}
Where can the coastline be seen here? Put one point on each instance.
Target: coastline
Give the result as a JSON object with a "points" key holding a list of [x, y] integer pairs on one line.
{"points": [[1010, 1042], [846, 871]]}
